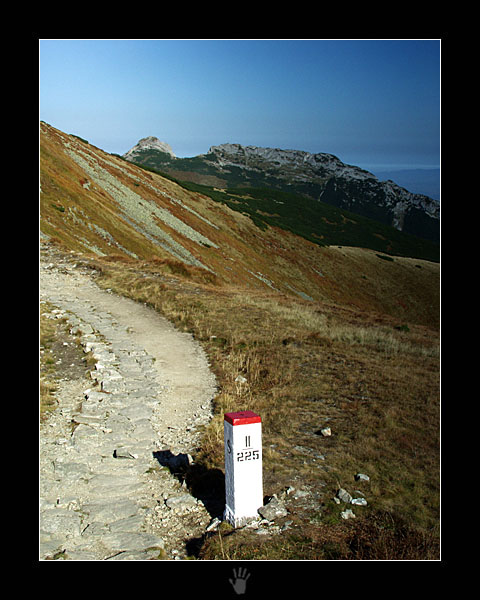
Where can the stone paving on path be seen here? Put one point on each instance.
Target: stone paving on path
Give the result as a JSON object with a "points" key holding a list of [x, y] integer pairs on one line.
{"points": [[103, 493]]}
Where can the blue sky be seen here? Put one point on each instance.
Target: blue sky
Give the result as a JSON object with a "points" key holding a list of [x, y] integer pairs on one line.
{"points": [[373, 103]]}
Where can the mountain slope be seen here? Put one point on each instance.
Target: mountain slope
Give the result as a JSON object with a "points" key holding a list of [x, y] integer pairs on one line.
{"points": [[96, 203], [334, 335], [317, 176]]}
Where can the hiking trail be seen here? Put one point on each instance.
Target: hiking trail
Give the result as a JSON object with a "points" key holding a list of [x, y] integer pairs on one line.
{"points": [[110, 449]]}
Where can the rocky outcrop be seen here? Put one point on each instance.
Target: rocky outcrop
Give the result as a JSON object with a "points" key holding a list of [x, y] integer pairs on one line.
{"points": [[148, 143], [337, 183], [300, 165]]}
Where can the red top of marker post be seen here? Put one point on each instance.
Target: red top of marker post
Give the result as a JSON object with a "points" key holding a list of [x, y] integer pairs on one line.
{"points": [[243, 417]]}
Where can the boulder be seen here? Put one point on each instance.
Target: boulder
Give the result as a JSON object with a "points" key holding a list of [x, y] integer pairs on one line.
{"points": [[344, 496], [181, 503], [359, 501], [273, 509]]}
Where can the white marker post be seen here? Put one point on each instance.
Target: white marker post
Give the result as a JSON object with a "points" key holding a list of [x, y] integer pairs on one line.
{"points": [[242, 433]]}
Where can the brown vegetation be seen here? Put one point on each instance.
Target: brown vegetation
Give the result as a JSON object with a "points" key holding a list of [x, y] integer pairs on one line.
{"points": [[374, 382], [362, 356]]}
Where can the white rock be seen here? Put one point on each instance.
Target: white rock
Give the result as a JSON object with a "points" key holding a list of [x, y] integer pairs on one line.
{"points": [[214, 523], [344, 496], [359, 501]]}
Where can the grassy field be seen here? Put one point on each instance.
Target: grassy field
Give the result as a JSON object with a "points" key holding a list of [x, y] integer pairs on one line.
{"points": [[372, 379]]}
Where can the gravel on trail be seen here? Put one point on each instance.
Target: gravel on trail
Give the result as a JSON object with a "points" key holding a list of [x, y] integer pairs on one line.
{"points": [[105, 492]]}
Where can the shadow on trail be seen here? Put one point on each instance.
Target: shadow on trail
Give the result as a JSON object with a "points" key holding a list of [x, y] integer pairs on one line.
{"points": [[207, 485]]}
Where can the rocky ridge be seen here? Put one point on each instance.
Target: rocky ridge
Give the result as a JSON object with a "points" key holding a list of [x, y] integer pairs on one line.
{"points": [[300, 165], [305, 167]]}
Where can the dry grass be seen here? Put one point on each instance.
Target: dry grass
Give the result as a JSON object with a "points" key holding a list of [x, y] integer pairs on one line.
{"points": [[47, 366], [379, 536], [307, 364]]}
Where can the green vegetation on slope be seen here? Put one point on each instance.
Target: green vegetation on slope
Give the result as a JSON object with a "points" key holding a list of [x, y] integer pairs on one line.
{"points": [[316, 221]]}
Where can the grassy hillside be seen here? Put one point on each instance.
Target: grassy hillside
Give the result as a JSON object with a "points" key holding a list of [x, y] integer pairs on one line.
{"points": [[372, 378], [316, 221], [332, 335], [362, 197], [319, 222], [98, 204]]}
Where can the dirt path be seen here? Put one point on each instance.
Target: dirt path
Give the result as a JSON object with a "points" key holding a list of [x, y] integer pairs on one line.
{"points": [[105, 491]]}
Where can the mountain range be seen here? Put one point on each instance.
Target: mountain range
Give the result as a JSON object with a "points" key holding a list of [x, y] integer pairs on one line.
{"points": [[320, 177]]}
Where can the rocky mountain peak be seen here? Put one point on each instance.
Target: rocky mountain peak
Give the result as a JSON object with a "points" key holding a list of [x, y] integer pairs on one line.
{"points": [[149, 143], [298, 162], [273, 155]]}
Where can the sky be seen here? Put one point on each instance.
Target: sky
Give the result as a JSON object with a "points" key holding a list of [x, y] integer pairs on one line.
{"points": [[372, 103]]}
